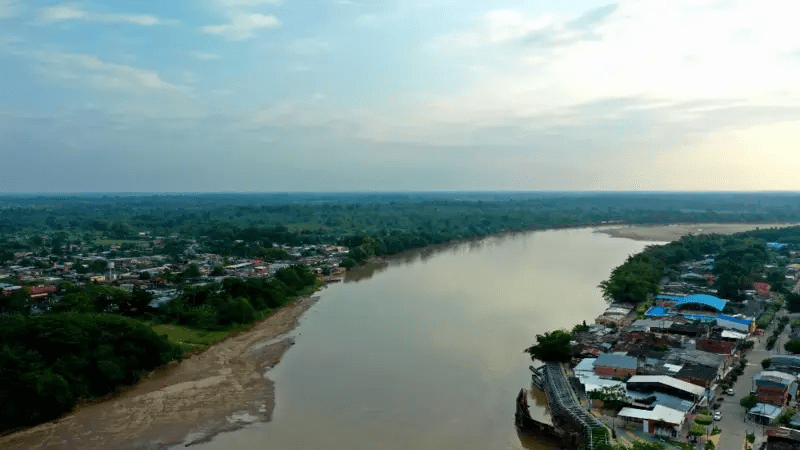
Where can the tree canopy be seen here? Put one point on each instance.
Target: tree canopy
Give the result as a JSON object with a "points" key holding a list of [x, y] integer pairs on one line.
{"points": [[552, 346]]}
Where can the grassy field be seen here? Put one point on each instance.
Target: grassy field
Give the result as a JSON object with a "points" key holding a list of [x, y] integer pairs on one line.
{"points": [[190, 339]]}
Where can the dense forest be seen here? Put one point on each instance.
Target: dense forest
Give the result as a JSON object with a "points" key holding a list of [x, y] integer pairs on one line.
{"points": [[250, 224]]}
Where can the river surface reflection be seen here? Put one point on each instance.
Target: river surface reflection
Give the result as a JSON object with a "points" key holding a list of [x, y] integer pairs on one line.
{"points": [[425, 351]]}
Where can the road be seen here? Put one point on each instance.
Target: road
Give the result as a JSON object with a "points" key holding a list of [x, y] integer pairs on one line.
{"points": [[733, 424]]}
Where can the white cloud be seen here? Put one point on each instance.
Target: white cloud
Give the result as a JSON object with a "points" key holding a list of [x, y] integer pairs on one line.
{"points": [[673, 52], [75, 11], [93, 72], [496, 27], [206, 56], [243, 25]]}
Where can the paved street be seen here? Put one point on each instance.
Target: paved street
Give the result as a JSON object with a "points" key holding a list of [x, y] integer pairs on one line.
{"points": [[733, 425]]}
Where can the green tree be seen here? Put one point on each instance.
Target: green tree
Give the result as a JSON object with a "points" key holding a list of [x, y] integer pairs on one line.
{"points": [[748, 402], [552, 346], [792, 346]]}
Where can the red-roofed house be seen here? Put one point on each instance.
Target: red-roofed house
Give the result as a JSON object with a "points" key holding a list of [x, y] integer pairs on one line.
{"points": [[40, 291], [763, 289]]}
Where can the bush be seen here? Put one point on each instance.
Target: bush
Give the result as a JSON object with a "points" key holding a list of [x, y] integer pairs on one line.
{"points": [[765, 363], [697, 430], [715, 430], [703, 419], [792, 346]]}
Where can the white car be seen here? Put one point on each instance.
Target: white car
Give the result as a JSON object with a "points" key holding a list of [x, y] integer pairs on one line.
{"points": [[729, 391], [717, 415]]}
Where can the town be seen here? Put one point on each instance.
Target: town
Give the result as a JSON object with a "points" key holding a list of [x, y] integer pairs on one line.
{"points": [[32, 282], [683, 367]]}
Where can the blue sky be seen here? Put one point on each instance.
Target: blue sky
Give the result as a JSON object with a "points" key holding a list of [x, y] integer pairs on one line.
{"points": [[288, 95]]}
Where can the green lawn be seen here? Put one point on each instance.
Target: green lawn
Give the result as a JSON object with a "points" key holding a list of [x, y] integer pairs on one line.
{"points": [[188, 338]]}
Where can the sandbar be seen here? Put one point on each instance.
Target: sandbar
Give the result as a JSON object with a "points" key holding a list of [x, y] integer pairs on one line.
{"points": [[224, 388]]}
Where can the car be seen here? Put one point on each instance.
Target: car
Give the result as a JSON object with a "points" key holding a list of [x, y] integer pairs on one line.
{"points": [[717, 415], [729, 391]]}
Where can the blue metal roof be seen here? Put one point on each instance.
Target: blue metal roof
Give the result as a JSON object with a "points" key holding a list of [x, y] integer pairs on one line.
{"points": [[658, 311], [766, 410], [734, 319], [699, 299]]}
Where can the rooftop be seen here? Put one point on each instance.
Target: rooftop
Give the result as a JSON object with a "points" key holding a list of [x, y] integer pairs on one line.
{"points": [[668, 381], [616, 360], [696, 299], [659, 412]]}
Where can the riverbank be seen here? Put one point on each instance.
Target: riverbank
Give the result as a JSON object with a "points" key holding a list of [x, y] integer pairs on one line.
{"points": [[221, 389], [668, 233]]}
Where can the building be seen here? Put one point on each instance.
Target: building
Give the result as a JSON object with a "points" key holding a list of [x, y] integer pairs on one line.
{"points": [[697, 374], [785, 363], [615, 365], [721, 342], [775, 388], [660, 421], [740, 324], [667, 385]]}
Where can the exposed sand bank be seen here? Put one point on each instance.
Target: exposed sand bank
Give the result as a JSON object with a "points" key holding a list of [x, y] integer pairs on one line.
{"points": [[667, 233], [221, 389]]}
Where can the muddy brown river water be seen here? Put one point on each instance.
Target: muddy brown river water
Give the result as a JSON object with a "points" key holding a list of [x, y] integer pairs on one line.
{"points": [[425, 351]]}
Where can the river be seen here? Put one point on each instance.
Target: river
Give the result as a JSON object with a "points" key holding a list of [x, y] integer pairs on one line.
{"points": [[425, 351]]}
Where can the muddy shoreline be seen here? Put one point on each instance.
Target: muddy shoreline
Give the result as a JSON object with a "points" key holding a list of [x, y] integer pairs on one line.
{"points": [[222, 389], [668, 233]]}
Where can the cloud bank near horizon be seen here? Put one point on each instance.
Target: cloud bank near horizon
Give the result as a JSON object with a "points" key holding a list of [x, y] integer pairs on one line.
{"points": [[275, 95]]}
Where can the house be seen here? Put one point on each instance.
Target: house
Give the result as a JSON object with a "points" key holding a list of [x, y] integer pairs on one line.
{"points": [[785, 363], [697, 374], [764, 413], [660, 421], [40, 292], [775, 388], [763, 289], [782, 438], [740, 324], [721, 342], [615, 365]]}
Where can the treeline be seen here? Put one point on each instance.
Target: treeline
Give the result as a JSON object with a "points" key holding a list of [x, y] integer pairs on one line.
{"points": [[235, 301], [314, 218], [48, 362], [738, 261], [210, 306]]}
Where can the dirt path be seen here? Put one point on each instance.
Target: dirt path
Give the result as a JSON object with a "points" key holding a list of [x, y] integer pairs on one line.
{"points": [[221, 389]]}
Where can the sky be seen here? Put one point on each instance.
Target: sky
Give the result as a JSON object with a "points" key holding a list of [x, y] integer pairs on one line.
{"points": [[383, 95]]}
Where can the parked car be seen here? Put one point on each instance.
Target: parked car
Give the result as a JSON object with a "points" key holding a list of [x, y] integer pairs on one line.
{"points": [[717, 415], [729, 391]]}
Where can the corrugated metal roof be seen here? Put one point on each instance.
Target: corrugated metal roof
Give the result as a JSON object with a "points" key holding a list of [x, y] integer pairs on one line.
{"points": [[659, 412], [766, 410], [668, 381], [615, 360]]}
